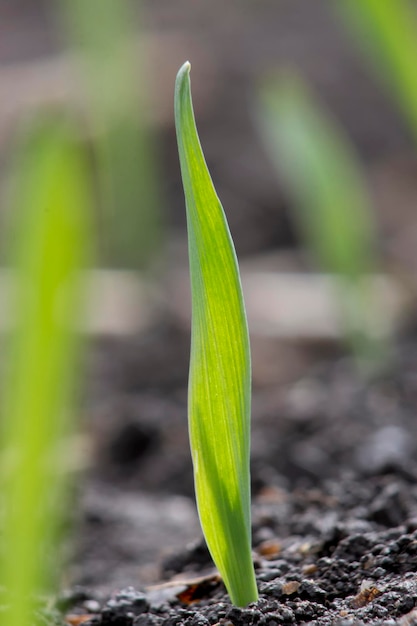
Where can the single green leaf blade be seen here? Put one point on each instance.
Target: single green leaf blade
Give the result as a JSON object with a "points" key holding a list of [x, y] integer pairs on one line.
{"points": [[219, 384]]}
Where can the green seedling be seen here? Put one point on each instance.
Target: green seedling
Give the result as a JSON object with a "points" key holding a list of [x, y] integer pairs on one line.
{"points": [[332, 209], [50, 245], [219, 392]]}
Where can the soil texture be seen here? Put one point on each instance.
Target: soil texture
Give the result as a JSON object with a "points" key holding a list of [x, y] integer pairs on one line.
{"points": [[334, 512]]}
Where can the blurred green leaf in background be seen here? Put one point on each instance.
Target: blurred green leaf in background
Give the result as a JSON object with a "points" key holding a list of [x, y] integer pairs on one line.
{"points": [[387, 33], [332, 208], [51, 242], [105, 36]]}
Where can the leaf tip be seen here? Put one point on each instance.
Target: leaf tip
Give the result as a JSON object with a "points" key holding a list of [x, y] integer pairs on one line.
{"points": [[184, 71]]}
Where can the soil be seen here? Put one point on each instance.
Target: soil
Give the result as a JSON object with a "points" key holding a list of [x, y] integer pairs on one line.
{"points": [[334, 453], [334, 512]]}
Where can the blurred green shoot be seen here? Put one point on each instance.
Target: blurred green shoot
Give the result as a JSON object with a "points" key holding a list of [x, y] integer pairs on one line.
{"points": [[387, 32], [104, 34], [332, 209], [219, 392], [51, 242]]}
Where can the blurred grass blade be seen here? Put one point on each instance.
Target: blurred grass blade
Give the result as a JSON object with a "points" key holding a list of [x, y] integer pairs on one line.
{"points": [[219, 384], [387, 31], [332, 209], [105, 34], [51, 242]]}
